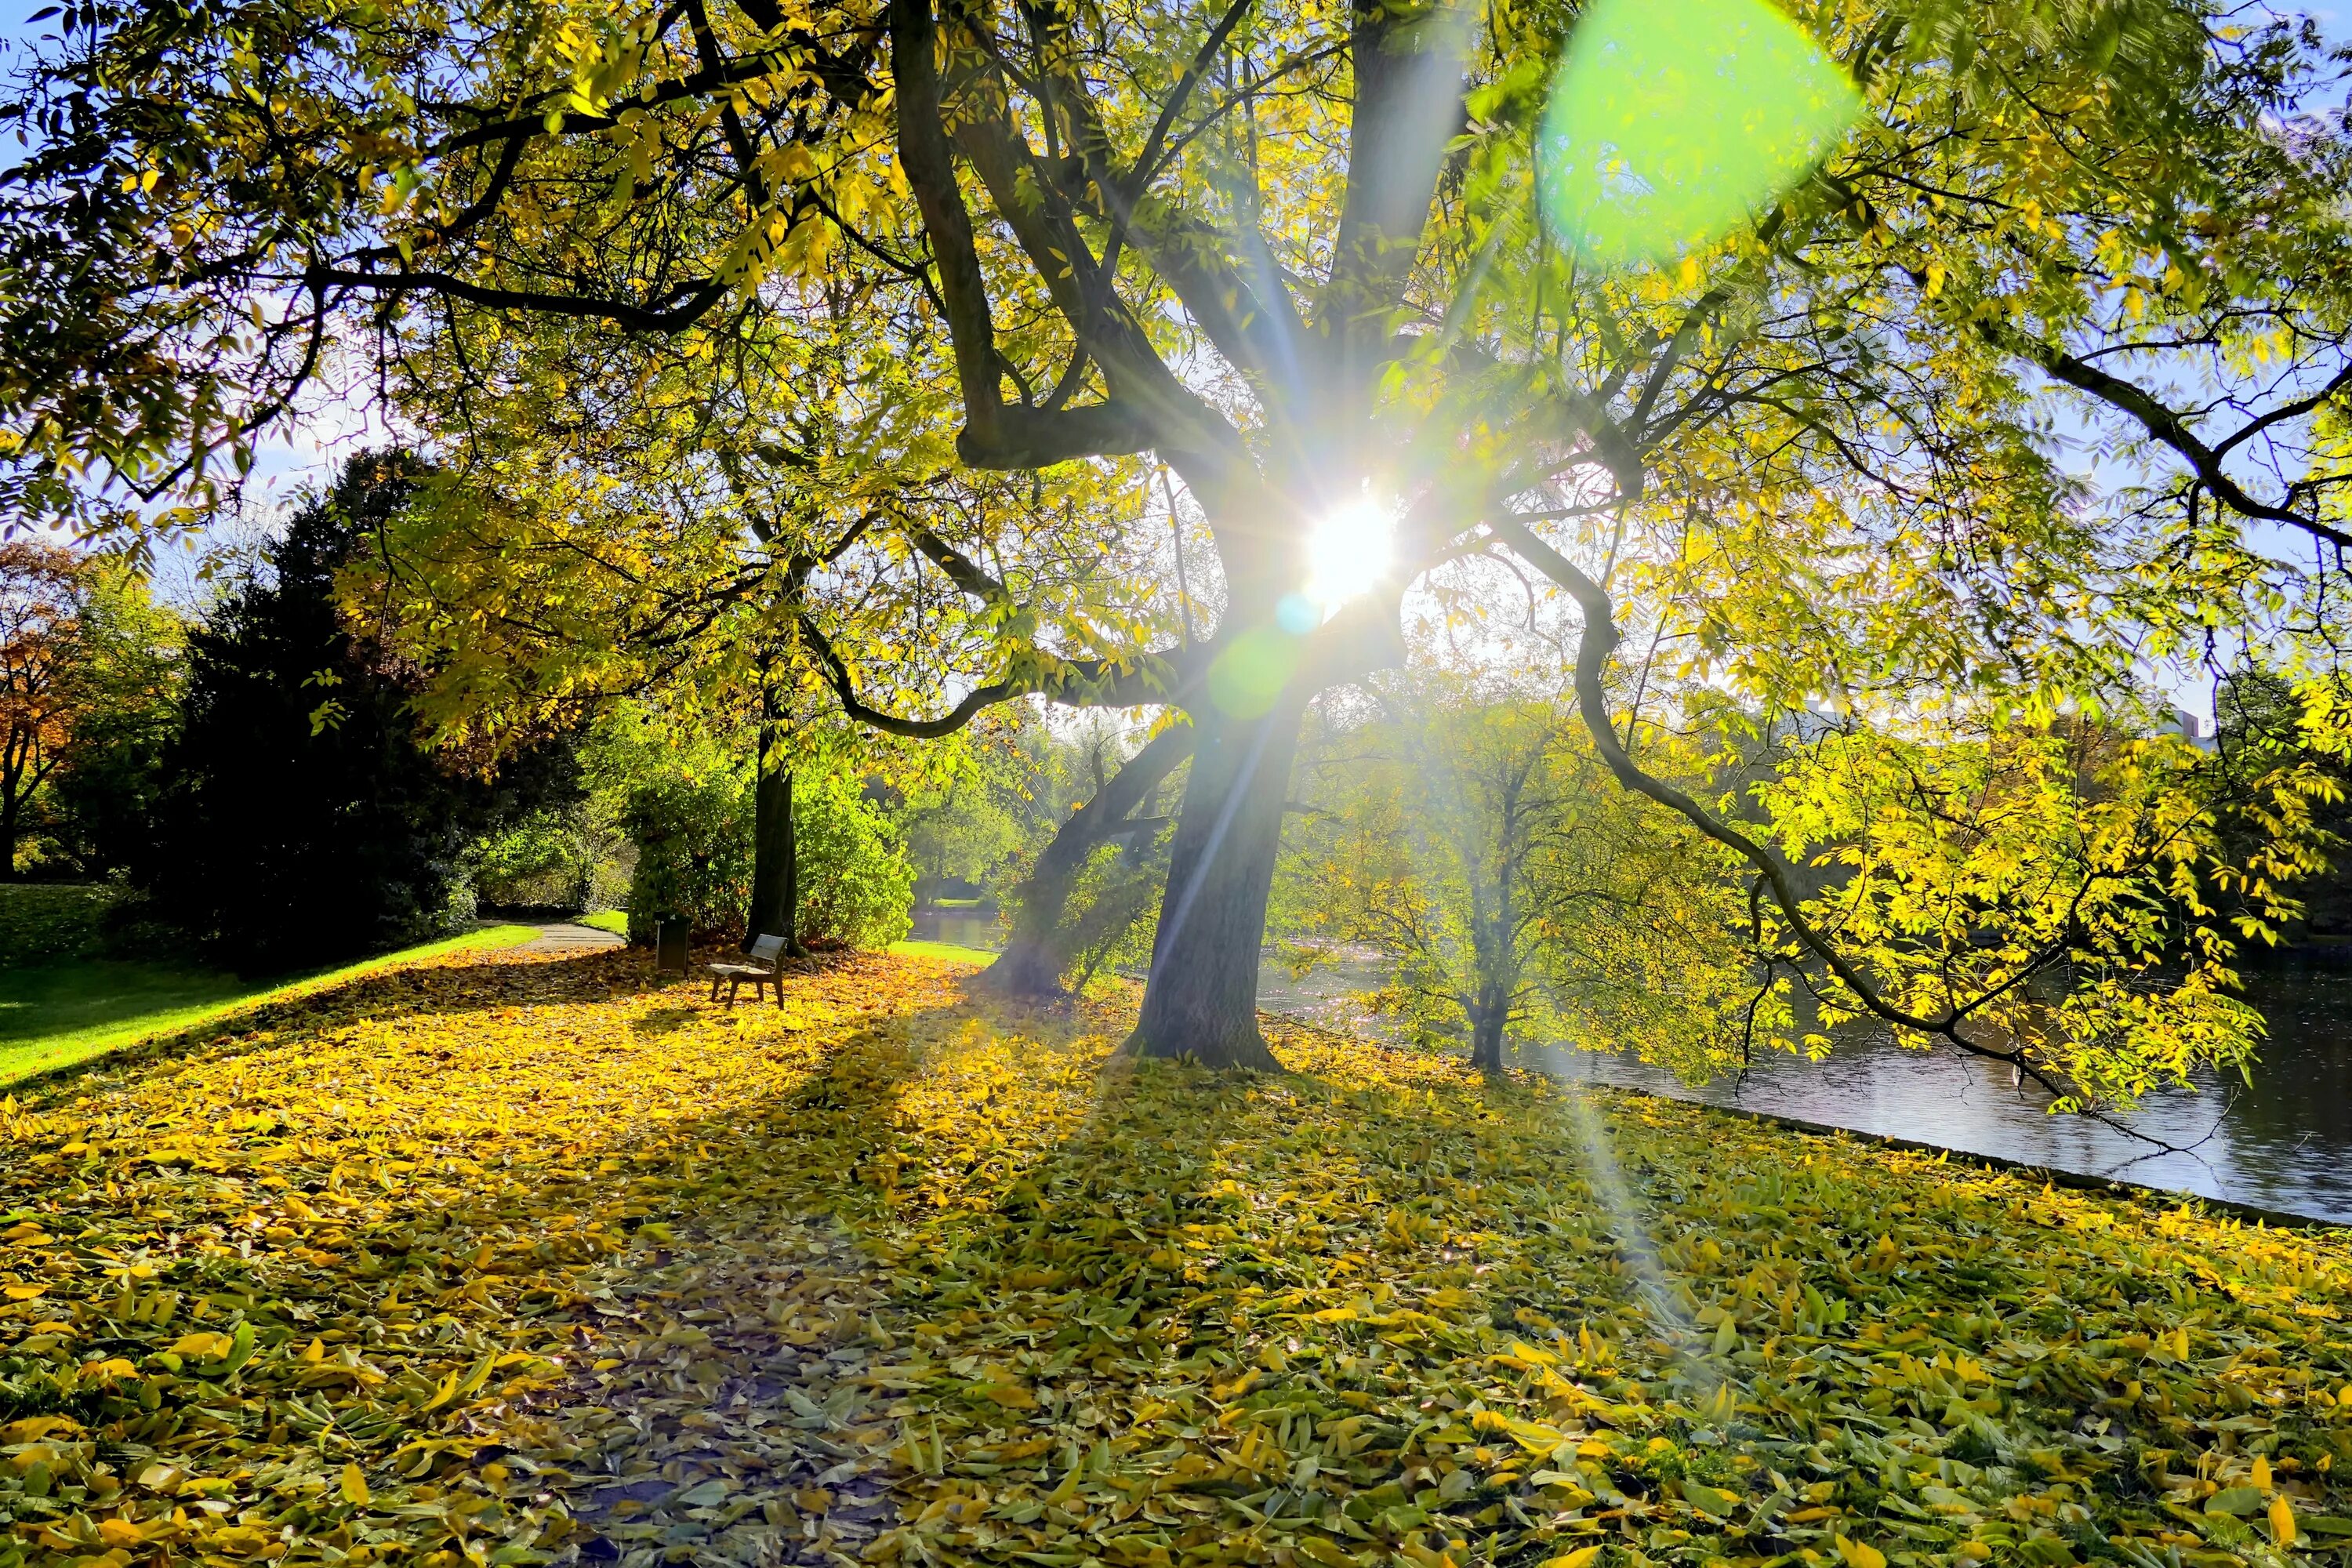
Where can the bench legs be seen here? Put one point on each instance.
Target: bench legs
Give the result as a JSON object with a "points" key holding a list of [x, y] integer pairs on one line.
{"points": [[775, 982]]}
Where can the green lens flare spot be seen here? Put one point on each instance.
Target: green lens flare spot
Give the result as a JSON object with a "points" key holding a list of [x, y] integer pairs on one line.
{"points": [[1247, 678], [1672, 122]]}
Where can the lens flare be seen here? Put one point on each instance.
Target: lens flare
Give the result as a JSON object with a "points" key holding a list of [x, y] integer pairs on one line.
{"points": [[1672, 121], [1349, 553]]}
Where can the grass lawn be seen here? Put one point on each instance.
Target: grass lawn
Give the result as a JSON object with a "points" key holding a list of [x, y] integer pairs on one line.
{"points": [[948, 951], [544, 1263], [57, 1015], [614, 921]]}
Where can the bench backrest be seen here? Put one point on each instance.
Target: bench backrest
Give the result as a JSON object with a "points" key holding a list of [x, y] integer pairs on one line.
{"points": [[767, 948]]}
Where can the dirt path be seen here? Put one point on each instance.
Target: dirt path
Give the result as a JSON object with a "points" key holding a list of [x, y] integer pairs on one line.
{"points": [[566, 936]]}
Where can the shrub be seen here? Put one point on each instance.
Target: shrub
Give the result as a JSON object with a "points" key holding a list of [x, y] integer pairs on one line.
{"points": [[53, 923], [857, 885], [693, 834], [694, 858]]}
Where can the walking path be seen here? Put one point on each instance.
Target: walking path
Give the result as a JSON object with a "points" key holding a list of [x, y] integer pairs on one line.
{"points": [[565, 936]]}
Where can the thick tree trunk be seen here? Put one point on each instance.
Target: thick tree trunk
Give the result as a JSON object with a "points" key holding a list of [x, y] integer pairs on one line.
{"points": [[1033, 962], [1202, 998], [775, 860], [8, 840], [1487, 1037]]}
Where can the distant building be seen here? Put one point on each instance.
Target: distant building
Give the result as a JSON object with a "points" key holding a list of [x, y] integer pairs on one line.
{"points": [[2197, 730]]}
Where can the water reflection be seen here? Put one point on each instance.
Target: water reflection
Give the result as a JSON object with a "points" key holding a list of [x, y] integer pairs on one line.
{"points": [[960, 928], [2284, 1143]]}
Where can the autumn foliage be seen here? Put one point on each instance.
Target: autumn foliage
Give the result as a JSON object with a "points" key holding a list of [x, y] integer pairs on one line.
{"points": [[39, 588], [526, 1261]]}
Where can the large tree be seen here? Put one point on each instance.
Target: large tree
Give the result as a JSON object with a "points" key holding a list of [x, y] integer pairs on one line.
{"points": [[1302, 257]]}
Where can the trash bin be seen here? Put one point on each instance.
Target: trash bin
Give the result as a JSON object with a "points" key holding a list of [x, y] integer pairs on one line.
{"points": [[669, 945]]}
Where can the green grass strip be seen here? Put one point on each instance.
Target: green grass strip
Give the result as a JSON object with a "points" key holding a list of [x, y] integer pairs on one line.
{"points": [[62, 1015], [944, 950]]}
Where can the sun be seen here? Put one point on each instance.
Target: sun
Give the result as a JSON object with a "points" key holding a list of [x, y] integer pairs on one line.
{"points": [[1349, 553]]}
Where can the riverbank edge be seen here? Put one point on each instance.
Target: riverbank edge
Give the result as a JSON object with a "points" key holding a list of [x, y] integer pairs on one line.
{"points": [[2078, 1181]]}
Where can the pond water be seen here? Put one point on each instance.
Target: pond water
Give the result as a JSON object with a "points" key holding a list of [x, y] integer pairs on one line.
{"points": [[960, 928], [2284, 1143]]}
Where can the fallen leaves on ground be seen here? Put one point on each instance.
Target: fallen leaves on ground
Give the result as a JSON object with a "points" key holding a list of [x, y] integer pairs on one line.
{"points": [[524, 1262]]}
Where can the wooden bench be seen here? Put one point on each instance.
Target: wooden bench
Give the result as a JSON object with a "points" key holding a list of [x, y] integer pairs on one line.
{"points": [[760, 966]]}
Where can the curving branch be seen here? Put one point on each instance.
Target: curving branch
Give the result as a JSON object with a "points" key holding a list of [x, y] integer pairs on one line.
{"points": [[1594, 648], [996, 435], [844, 686], [631, 315], [960, 569]]}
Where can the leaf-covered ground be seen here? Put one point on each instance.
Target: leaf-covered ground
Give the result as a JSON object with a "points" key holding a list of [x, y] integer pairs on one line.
{"points": [[522, 1261]]}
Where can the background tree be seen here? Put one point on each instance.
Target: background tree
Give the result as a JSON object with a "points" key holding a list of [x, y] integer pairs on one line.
{"points": [[1472, 838], [305, 818], [41, 591], [686, 793], [99, 804]]}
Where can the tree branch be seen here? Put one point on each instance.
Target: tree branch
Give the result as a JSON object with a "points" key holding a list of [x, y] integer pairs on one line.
{"points": [[2169, 428]]}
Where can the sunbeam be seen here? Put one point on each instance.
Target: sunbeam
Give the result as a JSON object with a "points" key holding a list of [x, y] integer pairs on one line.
{"points": [[1715, 1386]]}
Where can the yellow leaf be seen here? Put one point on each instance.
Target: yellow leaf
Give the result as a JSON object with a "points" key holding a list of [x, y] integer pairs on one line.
{"points": [[2263, 1472], [1860, 1554], [2281, 1522], [115, 1533], [1582, 1557], [355, 1487], [201, 1346]]}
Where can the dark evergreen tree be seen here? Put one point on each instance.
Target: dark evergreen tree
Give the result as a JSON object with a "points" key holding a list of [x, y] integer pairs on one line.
{"points": [[304, 820]]}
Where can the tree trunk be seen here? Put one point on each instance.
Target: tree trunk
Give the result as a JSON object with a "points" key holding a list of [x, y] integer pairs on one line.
{"points": [[775, 860], [1202, 998], [8, 840], [1487, 1037], [1033, 960]]}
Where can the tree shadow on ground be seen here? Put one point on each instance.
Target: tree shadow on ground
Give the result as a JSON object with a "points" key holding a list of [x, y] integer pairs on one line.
{"points": [[985, 1277], [739, 1344]]}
